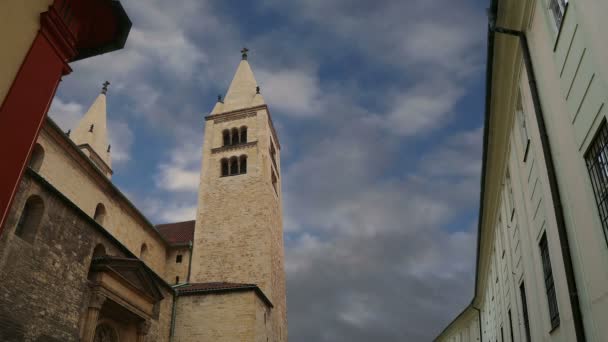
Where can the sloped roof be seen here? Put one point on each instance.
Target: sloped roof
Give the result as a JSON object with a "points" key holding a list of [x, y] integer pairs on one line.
{"points": [[177, 233], [219, 287]]}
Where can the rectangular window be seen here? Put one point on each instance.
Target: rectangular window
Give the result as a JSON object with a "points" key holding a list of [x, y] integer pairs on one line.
{"points": [[596, 159], [523, 128], [524, 306], [502, 335], [178, 259], [177, 280], [549, 283], [558, 7]]}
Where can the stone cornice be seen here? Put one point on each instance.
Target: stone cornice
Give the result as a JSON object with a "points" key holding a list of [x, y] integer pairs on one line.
{"points": [[243, 113], [233, 147]]}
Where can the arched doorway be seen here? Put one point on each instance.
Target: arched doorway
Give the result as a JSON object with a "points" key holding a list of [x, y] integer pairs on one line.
{"points": [[105, 333]]}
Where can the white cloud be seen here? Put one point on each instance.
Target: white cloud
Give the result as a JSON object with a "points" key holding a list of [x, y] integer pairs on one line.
{"points": [[121, 138], [293, 92], [181, 172], [65, 114]]}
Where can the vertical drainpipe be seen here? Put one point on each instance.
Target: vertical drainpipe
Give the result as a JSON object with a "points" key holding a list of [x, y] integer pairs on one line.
{"points": [[577, 316], [190, 245]]}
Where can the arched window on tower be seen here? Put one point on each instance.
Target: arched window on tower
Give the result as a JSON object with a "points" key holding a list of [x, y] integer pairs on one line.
{"points": [[143, 252], [243, 164], [235, 136], [36, 158], [225, 167], [100, 213], [226, 137], [99, 251], [234, 166], [30, 219], [243, 134]]}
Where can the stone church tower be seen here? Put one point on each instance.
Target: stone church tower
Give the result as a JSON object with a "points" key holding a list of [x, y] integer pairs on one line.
{"points": [[238, 239]]}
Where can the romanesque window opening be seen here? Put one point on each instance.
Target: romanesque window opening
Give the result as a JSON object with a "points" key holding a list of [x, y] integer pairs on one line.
{"points": [[596, 159], [549, 282], [100, 213], [36, 158], [178, 259], [243, 164], [177, 280], [225, 167], [30, 219], [235, 136], [99, 251], [143, 251], [226, 137], [234, 166], [524, 305], [243, 138]]}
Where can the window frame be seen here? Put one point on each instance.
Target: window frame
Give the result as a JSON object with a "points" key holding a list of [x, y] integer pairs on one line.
{"points": [[596, 160], [178, 258], [549, 281]]}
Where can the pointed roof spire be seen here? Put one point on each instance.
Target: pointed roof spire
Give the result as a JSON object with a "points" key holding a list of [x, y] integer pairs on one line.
{"points": [[91, 132], [243, 91]]}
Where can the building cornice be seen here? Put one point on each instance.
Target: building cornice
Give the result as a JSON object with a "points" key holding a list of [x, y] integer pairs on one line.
{"points": [[233, 147]]}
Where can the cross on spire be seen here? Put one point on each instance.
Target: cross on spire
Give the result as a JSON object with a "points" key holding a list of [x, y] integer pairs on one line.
{"points": [[244, 53], [104, 90]]}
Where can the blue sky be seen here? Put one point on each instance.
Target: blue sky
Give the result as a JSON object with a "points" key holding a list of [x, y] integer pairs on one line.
{"points": [[378, 106]]}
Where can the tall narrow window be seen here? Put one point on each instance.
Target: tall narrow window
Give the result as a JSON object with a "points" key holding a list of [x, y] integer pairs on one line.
{"points": [[243, 134], [558, 7], [502, 334], [226, 137], [524, 307], [273, 153], [273, 178], [30, 219], [521, 115], [243, 164], [235, 136], [511, 325], [234, 166], [596, 159], [143, 252], [36, 158], [177, 279], [100, 213], [225, 167], [549, 283], [510, 195], [178, 259]]}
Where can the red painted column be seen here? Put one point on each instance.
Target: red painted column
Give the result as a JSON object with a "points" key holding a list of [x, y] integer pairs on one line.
{"points": [[27, 102]]}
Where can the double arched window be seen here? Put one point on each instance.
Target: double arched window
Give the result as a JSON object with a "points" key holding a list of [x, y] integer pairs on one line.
{"points": [[234, 136], [30, 219], [233, 166]]}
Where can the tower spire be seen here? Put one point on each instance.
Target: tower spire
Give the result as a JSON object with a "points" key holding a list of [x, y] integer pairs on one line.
{"points": [[91, 135], [243, 91]]}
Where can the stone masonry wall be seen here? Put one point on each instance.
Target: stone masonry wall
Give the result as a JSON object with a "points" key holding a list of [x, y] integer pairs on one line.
{"points": [[64, 169], [43, 291]]}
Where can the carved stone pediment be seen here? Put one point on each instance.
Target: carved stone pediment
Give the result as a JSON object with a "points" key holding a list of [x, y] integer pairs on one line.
{"points": [[132, 273]]}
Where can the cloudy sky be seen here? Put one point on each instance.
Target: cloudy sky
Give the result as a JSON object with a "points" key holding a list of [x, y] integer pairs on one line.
{"points": [[378, 105]]}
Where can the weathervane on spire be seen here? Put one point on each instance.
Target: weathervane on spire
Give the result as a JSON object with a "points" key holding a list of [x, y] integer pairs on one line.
{"points": [[104, 90], [244, 53]]}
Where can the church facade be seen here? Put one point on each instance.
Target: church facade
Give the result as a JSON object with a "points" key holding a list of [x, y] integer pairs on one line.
{"points": [[79, 262], [542, 250]]}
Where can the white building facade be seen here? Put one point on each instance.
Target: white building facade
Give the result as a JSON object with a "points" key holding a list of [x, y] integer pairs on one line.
{"points": [[542, 252]]}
